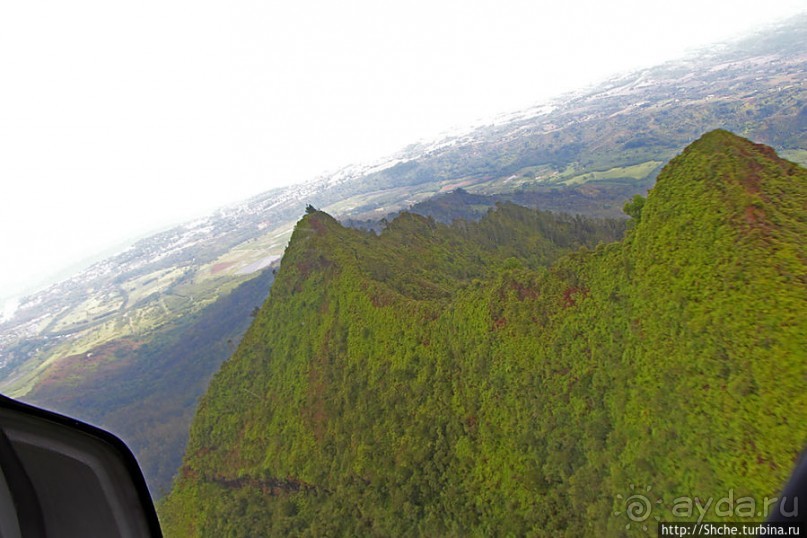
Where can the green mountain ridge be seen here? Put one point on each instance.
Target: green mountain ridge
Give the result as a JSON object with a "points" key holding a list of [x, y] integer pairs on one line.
{"points": [[440, 380]]}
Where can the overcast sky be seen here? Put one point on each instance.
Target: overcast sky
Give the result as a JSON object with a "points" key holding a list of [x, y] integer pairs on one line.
{"points": [[121, 117]]}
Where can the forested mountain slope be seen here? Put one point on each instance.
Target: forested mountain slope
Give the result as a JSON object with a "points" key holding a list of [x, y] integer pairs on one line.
{"points": [[443, 381]]}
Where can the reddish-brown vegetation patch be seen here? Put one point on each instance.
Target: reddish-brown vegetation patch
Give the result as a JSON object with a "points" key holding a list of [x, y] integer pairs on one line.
{"points": [[572, 294], [456, 185], [381, 298], [306, 267], [471, 424], [315, 412], [524, 292], [752, 215], [318, 226], [219, 267], [99, 362]]}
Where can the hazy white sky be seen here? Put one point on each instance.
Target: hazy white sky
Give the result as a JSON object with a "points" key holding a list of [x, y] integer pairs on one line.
{"points": [[119, 117]]}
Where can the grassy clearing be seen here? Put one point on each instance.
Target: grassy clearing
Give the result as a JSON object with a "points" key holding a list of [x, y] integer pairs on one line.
{"points": [[232, 263], [379, 204], [637, 172], [796, 155], [155, 282]]}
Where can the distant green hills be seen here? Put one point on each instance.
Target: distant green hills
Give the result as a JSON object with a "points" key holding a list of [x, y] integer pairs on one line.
{"points": [[520, 375]]}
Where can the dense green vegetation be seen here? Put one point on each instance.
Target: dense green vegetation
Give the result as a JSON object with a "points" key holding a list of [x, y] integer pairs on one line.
{"points": [[516, 375]]}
